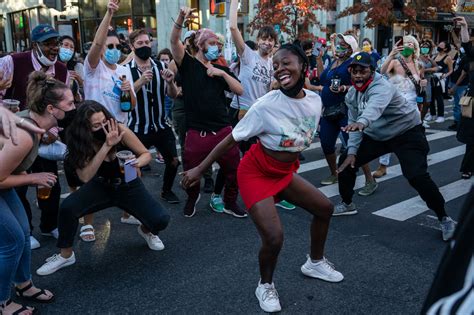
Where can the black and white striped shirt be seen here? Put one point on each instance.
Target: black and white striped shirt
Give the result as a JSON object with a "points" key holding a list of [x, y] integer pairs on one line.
{"points": [[149, 114]]}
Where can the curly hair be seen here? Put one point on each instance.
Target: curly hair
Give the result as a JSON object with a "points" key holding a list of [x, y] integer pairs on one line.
{"points": [[79, 137]]}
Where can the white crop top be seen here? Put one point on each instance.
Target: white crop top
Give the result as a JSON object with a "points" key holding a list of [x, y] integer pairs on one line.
{"points": [[280, 122]]}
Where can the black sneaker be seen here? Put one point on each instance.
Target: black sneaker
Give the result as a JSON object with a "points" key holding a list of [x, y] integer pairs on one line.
{"points": [[453, 127], [208, 185], [169, 196], [301, 157], [190, 207], [235, 210]]}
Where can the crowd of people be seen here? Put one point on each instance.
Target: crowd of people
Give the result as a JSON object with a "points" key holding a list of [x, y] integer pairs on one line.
{"points": [[253, 115]]}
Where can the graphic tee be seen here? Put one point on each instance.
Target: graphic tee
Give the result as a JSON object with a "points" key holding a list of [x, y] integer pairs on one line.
{"points": [[103, 86], [256, 75], [280, 122]]}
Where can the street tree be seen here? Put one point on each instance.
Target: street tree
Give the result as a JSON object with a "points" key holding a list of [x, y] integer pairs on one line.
{"points": [[387, 12], [293, 17]]}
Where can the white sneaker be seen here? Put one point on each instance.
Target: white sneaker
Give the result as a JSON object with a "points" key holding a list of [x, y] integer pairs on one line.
{"points": [[322, 269], [130, 220], [267, 297], [153, 241], [54, 233], [34, 244], [428, 117], [54, 263], [425, 124], [439, 120]]}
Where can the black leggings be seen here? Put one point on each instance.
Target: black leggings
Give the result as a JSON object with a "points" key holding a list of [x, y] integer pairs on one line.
{"points": [[437, 96], [411, 148], [97, 195], [467, 164]]}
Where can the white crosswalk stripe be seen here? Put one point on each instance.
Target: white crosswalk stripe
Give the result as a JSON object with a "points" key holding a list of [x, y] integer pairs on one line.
{"points": [[396, 170], [412, 207]]}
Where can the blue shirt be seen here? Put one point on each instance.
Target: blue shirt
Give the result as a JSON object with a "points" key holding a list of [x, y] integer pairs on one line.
{"points": [[328, 97]]}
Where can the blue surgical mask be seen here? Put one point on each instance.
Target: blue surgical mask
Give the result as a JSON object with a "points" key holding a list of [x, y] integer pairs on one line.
{"points": [[112, 56], [65, 54], [212, 53]]}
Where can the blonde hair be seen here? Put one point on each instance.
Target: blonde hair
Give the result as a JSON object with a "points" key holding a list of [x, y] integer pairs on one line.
{"points": [[416, 45]]}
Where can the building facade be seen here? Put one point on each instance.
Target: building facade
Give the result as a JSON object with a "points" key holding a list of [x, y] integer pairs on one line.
{"points": [[79, 19]]}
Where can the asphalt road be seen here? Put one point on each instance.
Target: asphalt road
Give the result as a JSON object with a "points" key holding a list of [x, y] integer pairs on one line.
{"points": [[210, 266]]}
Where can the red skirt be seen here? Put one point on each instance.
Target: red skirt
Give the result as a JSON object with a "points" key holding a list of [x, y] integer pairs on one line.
{"points": [[260, 176]]}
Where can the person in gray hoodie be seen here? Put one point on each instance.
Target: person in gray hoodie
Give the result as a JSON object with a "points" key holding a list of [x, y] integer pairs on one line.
{"points": [[381, 121]]}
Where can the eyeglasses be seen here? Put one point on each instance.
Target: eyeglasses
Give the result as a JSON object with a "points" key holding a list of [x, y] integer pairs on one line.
{"points": [[112, 46]]}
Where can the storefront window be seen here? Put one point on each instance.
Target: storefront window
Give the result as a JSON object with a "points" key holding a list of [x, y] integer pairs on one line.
{"points": [[144, 7], [20, 30], [146, 22], [141, 15]]}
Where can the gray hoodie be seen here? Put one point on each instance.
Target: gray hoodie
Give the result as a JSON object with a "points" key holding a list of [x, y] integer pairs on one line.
{"points": [[382, 110]]}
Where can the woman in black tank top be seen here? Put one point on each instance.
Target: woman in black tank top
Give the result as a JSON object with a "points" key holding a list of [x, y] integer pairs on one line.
{"points": [[445, 64], [49, 100], [93, 140]]}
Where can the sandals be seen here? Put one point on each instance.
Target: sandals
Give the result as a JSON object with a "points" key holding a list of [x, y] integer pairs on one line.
{"points": [[87, 230], [34, 297], [17, 312], [466, 175]]}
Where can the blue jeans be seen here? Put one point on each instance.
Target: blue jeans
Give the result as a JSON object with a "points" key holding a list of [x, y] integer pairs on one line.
{"points": [[457, 97], [15, 251], [328, 133]]}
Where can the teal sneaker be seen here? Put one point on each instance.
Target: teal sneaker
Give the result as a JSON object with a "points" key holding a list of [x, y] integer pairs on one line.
{"points": [[216, 203], [285, 205]]}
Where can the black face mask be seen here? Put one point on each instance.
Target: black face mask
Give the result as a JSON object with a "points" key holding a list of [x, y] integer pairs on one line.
{"points": [[292, 92], [99, 135], [143, 52], [67, 120], [439, 49]]}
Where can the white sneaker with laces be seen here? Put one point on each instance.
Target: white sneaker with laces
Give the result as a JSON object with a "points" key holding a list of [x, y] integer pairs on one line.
{"points": [[267, 297], [130, 220], [153, 241], [322, 269], [54, 233], [34, 244], [439, 120], [54, 263]]}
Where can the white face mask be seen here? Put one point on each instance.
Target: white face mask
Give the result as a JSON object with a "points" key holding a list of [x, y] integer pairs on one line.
{"points": [[45, 61]]}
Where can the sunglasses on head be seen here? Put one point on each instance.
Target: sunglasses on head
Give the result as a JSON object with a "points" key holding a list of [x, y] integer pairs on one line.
{"points": [[112, 46]]}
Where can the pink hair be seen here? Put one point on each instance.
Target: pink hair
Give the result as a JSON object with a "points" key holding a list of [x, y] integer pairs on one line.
{"points": [[203, 35]]}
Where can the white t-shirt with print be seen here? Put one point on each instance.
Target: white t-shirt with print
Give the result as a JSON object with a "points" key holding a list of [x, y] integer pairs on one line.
{"points": [[280, 122], [255, 75], [103, 86]]}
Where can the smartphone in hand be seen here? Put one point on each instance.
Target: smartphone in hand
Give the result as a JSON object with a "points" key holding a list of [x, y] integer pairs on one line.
{"points": [[130, 170]]}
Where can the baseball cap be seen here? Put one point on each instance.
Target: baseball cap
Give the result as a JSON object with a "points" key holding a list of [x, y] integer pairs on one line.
{"points": [[43, 32], [362, 59], [350, 40], [188, 34]]}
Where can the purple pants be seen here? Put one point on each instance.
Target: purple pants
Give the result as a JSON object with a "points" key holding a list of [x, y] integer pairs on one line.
{"points": [[198, 145]]}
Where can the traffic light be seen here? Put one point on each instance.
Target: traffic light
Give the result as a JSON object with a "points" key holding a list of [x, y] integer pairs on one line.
{"points": [[217, 7]]}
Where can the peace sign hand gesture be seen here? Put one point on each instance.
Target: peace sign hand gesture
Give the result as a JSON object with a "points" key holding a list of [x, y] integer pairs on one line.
{"points": [[113, 133]]}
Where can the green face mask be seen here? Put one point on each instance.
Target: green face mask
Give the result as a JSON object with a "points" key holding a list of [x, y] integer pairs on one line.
{"points": [[425, 50], [407, 52]]}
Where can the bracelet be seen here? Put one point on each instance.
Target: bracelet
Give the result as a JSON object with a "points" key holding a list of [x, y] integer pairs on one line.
{"points": [[177, 25]]}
